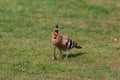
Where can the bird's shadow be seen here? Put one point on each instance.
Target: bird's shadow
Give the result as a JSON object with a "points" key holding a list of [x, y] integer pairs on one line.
{"points": [[74, 55]]}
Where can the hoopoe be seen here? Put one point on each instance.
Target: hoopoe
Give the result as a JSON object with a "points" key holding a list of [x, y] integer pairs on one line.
{"points": [[62, 42]]}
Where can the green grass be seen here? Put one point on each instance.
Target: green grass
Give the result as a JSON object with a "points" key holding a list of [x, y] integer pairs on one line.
{"points": [[26, 51]]}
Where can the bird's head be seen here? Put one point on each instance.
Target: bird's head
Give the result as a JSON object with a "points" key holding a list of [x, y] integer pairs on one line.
{"points": [[56, 32]]}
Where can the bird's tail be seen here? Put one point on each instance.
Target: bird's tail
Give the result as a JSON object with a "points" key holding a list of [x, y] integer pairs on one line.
{"points": [[77, 46]]}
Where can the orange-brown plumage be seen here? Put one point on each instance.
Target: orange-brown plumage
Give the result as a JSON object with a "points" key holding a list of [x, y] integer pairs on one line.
{"points": [[62, 42], [59, 41]]}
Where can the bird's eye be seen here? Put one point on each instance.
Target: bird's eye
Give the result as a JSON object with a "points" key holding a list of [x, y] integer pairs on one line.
{"points": [[54, 37]]}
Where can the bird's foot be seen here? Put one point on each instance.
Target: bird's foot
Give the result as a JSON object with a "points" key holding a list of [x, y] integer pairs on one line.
{"points": [[54, 58], [66, 57]]}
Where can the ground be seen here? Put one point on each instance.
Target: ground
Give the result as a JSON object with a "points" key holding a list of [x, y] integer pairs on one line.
{"points": [[26, 51]]}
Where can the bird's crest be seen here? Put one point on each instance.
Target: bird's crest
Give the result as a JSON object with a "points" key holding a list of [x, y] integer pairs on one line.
{"points": [[56, 29]]}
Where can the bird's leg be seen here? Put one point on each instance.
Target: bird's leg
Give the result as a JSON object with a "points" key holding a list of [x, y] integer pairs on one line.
{"points": [[60, 53], [67, 52], [54, 53]]}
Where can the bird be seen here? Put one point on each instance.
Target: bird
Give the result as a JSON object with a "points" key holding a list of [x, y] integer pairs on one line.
{"points": [[62, 42]]}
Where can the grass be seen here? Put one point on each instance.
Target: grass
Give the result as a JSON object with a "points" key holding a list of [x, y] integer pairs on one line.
{"points": [[25, 39]]}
